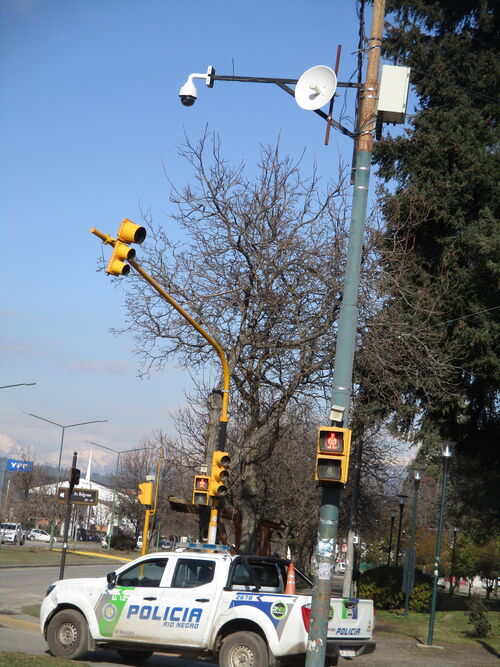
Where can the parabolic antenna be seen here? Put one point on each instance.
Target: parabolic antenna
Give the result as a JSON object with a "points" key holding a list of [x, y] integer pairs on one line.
{"points": [[315, 87]]}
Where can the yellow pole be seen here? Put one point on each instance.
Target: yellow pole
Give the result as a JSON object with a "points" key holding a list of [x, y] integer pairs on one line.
{"points": [[107, 239], [145, 533]]}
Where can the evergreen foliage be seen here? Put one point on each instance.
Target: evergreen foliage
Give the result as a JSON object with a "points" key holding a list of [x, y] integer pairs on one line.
{"points": [[383, 585], [442, 237], [478, 616]]}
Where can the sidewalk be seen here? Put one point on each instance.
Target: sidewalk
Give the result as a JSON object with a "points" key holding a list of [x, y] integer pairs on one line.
{"points": [[397, 651]]}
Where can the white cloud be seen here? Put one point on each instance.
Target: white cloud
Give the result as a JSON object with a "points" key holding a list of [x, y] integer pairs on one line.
{"points": [[6, 444], [103, 367]]}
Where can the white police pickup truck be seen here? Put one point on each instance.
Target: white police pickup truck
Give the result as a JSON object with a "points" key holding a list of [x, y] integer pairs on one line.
{"points": [[199, 600]]}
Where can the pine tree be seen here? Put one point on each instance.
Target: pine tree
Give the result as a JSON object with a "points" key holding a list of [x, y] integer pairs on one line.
{"points": [[442, 238]]}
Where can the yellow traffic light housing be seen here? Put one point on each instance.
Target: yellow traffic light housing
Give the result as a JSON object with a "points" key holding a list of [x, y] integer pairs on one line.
{"points": [[332, 454], [219, 474], [145, 495], [129, 232], [200, 490], [116, 265]]}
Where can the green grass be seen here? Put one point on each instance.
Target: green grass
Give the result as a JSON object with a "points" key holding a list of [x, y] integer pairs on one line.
{"points": [[31, 555], [451, 627], [15, 659], [32, 610]]}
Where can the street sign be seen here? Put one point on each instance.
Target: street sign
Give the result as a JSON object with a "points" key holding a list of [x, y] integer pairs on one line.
{"points": [[17, 466], [79, 496]]}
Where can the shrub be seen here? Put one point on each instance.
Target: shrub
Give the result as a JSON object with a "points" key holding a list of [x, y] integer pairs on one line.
{"points": [[478, 616], [383, 586], [122, 542]]}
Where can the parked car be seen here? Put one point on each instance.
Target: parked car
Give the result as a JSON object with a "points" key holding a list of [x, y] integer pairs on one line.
{"points": [[39, 534], [166, 544], [11, 532], [339, 567]]}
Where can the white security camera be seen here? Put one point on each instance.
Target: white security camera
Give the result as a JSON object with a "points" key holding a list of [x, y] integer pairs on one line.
{"points": [[188, 92]]}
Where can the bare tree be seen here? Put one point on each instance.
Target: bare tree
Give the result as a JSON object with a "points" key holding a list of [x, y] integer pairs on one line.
{"points": [[261, 270], [29, 498]]}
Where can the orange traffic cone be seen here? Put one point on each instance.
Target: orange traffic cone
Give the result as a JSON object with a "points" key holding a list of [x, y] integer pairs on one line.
{"points": [[290, 580]]}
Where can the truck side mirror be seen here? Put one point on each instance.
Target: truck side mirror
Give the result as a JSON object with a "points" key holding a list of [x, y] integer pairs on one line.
{"points": [[111, 579]]}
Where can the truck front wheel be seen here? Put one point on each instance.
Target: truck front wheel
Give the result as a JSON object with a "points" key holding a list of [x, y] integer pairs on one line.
{"points": [[68, 634], [244, 649]]}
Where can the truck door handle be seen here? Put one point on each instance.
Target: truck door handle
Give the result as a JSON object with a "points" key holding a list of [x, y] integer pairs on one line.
{"points": [[149, 598], [202, 600]]}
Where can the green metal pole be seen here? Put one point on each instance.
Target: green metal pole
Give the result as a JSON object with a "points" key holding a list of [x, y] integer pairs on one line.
{"points": [[341, 396], [325, 550], [452, 582], [409, 576], [438, 552], [348, 315]]}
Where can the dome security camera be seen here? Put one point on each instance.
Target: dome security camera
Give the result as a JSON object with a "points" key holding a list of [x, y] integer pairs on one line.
{"points": [[188, 93]]}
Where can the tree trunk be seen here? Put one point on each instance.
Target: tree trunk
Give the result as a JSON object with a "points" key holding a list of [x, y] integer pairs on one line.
{"points": [[249, 508]]}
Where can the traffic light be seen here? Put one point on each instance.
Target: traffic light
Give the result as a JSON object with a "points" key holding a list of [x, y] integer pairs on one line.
{"points": [[129, 232], [332, 454], [219, 474], [116, 265], [200, 490], [74, 476], [146, 493]]}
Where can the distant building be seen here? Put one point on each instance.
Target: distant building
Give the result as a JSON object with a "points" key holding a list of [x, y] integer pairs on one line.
{"points": [[86, 518]]}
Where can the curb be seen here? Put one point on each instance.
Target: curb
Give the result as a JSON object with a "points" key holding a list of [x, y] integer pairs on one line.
{"points": [[11, 622], [92, 554]]}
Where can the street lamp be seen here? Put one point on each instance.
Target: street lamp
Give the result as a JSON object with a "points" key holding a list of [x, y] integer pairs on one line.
{"points": [[402, 501], [118, 453], [410, 557], [393, 516], [452, 569], [447, 449], [19, 384], [63, 427]]}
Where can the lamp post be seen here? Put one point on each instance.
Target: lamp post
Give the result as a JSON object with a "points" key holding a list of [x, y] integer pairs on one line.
{"points": [[393, 516], [452, 569], [19, 384], [402, 501], [63, 427], [118, 454], [446, 453], [410, 558]]}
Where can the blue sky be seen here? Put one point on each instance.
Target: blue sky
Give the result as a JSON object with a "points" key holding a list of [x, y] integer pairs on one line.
{"points": [[90, 122]]}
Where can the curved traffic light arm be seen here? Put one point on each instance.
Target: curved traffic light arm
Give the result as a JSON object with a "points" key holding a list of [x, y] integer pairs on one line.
{"points": [[107, 239], [212, 341]]}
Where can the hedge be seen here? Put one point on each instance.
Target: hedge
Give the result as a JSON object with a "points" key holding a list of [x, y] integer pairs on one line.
{"points": [[383, 585]]}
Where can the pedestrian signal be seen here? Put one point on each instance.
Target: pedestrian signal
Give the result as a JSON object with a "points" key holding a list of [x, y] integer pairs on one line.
{"points": [[74, 476], [219, 474], [332, 454], [200, 490]]}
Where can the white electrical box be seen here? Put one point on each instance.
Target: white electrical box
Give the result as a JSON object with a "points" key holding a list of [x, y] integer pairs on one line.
{"points": [[393, 93]]}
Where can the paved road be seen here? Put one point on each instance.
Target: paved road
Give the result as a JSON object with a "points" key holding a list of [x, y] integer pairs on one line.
{"points": [[24, 586]]}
